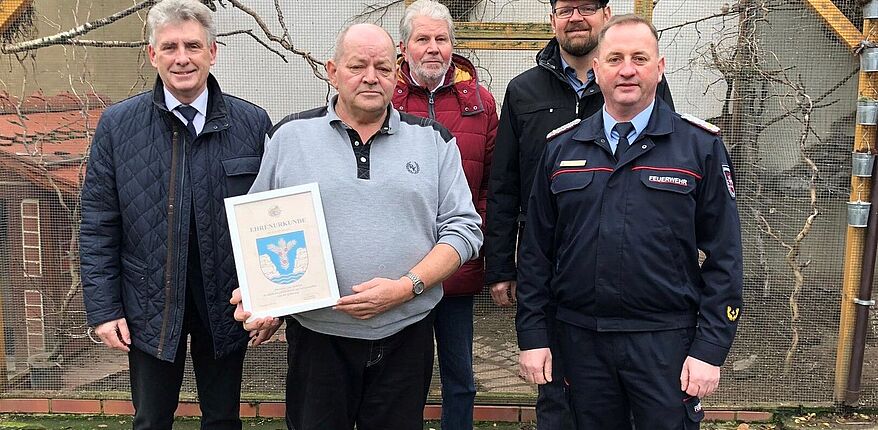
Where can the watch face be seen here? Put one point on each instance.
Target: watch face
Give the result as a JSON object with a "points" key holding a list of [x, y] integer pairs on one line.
{"points": [[418, 287]]}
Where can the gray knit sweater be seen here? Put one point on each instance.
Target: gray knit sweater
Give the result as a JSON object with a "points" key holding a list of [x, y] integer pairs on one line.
{"points": [[417, 196]]}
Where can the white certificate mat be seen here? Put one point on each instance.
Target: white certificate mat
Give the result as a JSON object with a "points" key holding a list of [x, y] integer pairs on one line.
{"points": [[282, 252]]}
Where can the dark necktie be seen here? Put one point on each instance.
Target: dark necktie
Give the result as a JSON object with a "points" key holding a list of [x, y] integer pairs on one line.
{"points": [[189, 113], [623, 129]]}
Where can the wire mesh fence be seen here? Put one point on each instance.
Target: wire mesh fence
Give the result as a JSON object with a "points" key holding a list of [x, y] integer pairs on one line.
{"points": [[771, 73]]}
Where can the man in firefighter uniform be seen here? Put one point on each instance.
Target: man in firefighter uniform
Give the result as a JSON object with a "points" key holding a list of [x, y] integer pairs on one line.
{"points": [[621, 205]]}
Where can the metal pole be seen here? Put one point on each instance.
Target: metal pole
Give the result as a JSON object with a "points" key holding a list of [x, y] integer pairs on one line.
{"points": [[863, 302]]}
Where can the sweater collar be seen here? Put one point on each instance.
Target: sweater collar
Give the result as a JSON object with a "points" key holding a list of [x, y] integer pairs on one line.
{"points": [[391, 120]]}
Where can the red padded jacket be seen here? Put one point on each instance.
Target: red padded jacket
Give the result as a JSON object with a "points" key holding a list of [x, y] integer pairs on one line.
{"points": [[469, 111]]}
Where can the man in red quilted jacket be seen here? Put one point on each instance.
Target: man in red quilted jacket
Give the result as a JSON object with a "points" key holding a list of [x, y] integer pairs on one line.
{"points": [[435, 83]]}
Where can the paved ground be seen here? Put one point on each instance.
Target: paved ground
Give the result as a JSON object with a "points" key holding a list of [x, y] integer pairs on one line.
{"points": [[800, 421]]}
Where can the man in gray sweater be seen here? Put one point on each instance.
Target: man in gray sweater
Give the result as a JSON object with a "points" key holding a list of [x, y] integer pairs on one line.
{"points": [[400, 219]]}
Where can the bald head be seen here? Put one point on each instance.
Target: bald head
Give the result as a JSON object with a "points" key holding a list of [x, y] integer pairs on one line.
{"points": [[354, 33], [363, 71]]}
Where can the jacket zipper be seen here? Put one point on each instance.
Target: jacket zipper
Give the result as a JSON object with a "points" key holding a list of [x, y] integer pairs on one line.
{"points": [[432, 102], [170, 260], [563, 79]]}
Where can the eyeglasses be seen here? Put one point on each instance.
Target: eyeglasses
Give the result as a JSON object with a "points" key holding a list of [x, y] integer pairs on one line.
{"points": [[587, 9]]}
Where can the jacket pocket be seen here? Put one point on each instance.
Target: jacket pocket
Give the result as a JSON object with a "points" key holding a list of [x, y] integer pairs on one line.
{"points": [[570, 180], [675, 182], [240, 174], [134, 288]]}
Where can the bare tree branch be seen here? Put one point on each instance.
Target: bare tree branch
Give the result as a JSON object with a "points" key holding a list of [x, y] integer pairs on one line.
{"points": [[316, 65], [64, 36]]}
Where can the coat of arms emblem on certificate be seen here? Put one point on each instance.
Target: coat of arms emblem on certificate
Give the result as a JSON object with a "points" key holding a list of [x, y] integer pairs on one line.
{"points": [[282, 252]]}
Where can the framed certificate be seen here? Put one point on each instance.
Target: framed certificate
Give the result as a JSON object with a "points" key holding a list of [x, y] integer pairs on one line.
{"points": [[282, 252]]}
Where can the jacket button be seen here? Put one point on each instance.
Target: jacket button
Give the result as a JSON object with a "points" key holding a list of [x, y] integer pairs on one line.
{"points": [[643, 147], [464, 91], [475, 107], [399, 91], [214, 127], [466, 109]]}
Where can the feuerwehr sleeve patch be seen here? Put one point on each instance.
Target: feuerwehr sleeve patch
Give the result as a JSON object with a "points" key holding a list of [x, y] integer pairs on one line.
{"points": [[730, 183], [700, 123], [562, 129]]}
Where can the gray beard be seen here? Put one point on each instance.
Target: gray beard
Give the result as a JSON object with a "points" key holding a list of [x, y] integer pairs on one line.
{"points": [[429, 75]]}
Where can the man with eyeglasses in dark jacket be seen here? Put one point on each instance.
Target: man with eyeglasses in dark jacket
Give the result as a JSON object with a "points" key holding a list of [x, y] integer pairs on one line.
{"points": [[559, 89]]}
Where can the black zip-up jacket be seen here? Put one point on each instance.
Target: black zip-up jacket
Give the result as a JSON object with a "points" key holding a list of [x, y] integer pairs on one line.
{"points": [[143, 172], [536, 102], [615, 244]]}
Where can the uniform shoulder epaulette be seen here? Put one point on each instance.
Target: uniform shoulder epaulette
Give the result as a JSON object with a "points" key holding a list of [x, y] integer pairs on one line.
{"points": [[700, 123], [552, 134]]}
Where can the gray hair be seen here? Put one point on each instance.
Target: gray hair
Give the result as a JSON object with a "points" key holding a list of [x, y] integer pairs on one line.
{"points": [[177, 11], [429, 9]]}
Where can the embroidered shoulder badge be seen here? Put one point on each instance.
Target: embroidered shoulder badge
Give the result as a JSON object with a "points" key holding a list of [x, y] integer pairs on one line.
{"points": [[700, 123], [554, 133], [733, 314], [730, 183]]}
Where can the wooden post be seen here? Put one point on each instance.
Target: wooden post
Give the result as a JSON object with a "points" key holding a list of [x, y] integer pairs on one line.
{"points": [[836, 21], [864, 140], [10, 9], [644, 8]]}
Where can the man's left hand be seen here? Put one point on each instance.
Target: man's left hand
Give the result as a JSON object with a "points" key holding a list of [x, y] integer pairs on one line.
{"points": [[699, 378], [374, 297]]}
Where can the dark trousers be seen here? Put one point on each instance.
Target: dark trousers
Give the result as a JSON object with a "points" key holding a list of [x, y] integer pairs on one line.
{"points": [[553, 403], [616, 376], [155, 384], [334, 383], [553, 407], [454, 348]]}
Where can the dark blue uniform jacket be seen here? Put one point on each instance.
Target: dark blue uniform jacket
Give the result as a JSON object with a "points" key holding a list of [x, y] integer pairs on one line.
{"points": [[616, 244], [143, 174]]}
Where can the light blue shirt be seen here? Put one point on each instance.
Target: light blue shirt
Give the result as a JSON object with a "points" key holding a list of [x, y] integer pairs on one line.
{"points": [[573, 79], [200, 104], [639, 122]]}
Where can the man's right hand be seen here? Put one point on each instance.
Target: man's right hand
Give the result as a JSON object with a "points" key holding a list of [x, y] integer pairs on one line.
{"points": [[115, 334], [503, 293], [535, 365]]}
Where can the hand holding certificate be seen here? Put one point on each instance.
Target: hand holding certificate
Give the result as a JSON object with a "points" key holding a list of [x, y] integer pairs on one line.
{"points": [[281, 251]]}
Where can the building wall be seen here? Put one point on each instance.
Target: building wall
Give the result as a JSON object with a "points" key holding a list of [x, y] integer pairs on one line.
{"points": [[115, 72], [32, 298]]}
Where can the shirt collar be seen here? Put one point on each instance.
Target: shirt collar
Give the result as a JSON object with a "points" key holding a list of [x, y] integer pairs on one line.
{"points": [[639, 122], [573, 79], [200, 102], [391, 120]]}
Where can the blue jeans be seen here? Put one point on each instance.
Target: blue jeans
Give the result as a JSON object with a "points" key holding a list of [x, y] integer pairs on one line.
{"points": [[454, 342]]}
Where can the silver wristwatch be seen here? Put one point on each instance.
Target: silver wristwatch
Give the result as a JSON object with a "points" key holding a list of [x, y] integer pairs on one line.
{"points": [[417, 283]]}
